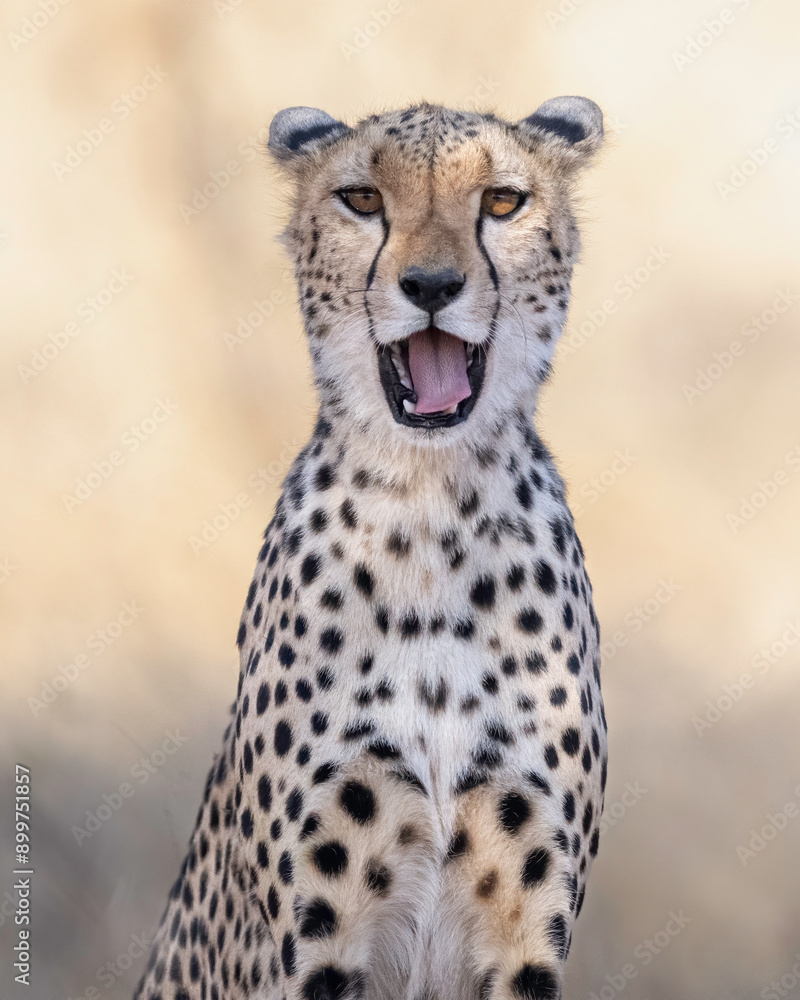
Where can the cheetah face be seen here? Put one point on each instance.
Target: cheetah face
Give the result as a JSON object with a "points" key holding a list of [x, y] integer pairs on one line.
{"points": [[433, 252]]}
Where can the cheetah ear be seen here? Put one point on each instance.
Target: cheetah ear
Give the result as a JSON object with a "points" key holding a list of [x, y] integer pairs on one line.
{"points": [[569, 129], [295, 133]]}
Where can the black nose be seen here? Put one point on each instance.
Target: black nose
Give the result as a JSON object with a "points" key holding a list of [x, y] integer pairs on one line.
{"points": [[431, 290]]}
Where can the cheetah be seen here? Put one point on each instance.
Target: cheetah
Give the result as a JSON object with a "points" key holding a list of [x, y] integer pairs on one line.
{"points": [[407, 799]]}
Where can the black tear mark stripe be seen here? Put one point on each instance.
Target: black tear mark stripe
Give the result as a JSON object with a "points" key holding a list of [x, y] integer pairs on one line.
{"points": [[485, 253], [373, 267]]}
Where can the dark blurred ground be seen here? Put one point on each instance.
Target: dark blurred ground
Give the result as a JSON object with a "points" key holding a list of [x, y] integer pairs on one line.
{"points": [[681, 450]]}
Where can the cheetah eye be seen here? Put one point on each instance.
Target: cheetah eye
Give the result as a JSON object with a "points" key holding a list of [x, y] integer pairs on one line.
{"points": [[501, 201], [365, 201]]}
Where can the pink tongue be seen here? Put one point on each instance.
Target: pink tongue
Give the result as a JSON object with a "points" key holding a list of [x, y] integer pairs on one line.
{"points": [[438, 366]]}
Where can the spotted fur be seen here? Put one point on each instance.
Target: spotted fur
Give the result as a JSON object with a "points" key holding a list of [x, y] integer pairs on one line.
{"points": [[408, 795]]}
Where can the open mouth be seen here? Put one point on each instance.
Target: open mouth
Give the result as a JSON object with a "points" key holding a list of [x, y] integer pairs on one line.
{"points": [[431, 379]]}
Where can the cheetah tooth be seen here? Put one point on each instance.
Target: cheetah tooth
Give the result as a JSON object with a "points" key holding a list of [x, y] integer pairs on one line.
{"points": [[409, 407], [402, 374]]}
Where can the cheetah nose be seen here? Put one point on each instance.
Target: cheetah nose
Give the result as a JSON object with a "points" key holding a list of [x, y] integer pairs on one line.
{"points": [[431, 290]]}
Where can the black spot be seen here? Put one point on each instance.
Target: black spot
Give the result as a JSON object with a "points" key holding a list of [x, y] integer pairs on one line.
{"points": [[286, 868], [262, 856], [294, 804], [358, 802], [434, 698], [529, 620], [464, 628], [588, 815], [310, 826], [304, 690], [545, 577], [539, 782], [347, 512], [325, 772], [287, 953], [410, 626], [331, 599], [594, 843], [331, 640], [551, 756], [319, 521], [458, 845], [509, 666], [300, 626], [586, 760], [293, 540], [535, 866], [497, 731], [262, 699], [265, 793], [281, 693], [469, 504], [515, 577], [319, 723], [283, 738], [513, 812], [524, 494], [363, 580], [379, 878], [570, 741], [325, 477], [330, 858], [535, 663], [319, 920], [569, 618], [569, 807], [286, 655], [490, 684], [382, 620], [557, 932], [325, 679], [309, 568], [241, 635], [535, 982], [398, 544], [574, 664], [357, 730], [383, 750], [330, 983], [483, 591], [469, 780], [407, 776], [558, 696]]}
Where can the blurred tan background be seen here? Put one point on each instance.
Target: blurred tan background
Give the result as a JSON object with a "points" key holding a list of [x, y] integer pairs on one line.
{"points": [[155, 388]]}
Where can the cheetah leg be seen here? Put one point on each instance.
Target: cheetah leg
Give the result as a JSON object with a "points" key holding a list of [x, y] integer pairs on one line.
{"points": [[514, 889], [365, 880]]}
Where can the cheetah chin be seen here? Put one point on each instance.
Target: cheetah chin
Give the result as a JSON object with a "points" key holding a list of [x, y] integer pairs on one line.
{"points": [[432, 379]]}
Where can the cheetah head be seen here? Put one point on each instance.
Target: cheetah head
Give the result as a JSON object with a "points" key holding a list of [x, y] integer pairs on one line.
{"points": [[433, 252]]}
